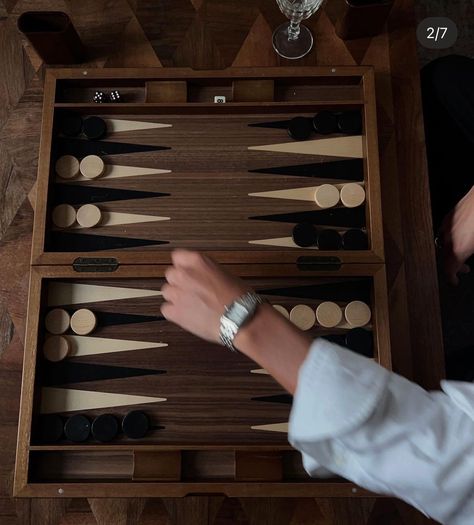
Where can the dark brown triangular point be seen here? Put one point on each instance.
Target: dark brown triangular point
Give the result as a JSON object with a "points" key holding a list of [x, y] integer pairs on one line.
{"points": [[352, 169], [81, 242], [114, 318], [81, 147], [67, 372], [345, 217], [280, 124], [344, 291], [72, 194], [358, 340], [285, 399]]}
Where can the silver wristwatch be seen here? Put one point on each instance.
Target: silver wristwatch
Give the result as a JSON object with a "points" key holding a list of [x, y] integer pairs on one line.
{"points": [[236, 315]]}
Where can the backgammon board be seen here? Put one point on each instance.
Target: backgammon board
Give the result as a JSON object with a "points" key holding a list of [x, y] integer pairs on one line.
{"points": [[273, 172]]}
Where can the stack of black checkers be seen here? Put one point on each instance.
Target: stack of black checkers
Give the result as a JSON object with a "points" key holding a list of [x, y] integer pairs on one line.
{"points": [[73, 125], [326, 123], [104, 428], [306, 235]]}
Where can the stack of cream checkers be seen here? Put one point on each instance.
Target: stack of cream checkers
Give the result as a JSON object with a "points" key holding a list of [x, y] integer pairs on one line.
{"points": [[67, 168], [57, 346], [328, 315]]}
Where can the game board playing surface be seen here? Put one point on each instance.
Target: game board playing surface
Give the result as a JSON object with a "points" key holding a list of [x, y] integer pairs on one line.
{"points": [[280, 182], [230, 182]]}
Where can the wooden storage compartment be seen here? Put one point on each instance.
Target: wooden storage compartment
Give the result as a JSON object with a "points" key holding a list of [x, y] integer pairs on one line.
{"points": [[208, 465], [253, 90], [80, 466], [258, 466], [347, 91], [162, 465], [204, 90], [72, 92], [166, 91], [85, 464], [197, 87]]}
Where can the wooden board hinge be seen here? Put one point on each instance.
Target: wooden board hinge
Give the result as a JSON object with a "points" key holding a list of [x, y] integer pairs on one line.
{"points": [[318, 263], [95, 264]]}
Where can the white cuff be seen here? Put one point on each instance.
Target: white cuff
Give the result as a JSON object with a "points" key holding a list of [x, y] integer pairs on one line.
{"points": [[323, 408]]}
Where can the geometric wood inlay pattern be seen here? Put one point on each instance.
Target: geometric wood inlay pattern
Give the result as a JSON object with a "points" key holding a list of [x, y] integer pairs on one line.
{"points": [[210, 34]]}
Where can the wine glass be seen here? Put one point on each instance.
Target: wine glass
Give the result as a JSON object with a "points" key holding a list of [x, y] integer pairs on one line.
{"points": [[291, 39]]}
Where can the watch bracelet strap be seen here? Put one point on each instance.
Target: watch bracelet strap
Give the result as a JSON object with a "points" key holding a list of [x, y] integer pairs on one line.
{"points": [[228, 341]]}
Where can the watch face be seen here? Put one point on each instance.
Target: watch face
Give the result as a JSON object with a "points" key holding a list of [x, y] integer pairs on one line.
{"points": [[238, 313]]}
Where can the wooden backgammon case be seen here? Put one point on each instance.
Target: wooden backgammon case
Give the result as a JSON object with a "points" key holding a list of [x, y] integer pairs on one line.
{"points": [[202, 160]]}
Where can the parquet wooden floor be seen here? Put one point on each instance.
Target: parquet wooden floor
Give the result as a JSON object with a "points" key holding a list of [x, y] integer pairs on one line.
{"points": [[213, 34]]}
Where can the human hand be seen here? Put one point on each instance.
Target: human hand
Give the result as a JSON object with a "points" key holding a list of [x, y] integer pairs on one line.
{"points": [[457, 237], [196, 293]]}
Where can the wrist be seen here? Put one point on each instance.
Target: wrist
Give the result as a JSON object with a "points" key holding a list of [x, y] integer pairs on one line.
{"points": [[275, 344], [236, 315], [249, 334], [266, 328]]}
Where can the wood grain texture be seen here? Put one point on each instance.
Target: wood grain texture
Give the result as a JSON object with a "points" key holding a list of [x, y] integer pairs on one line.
{"points": [[219, 384], [60, 294], [350, 147], [114, 218], [64, 400], [415, 204], [6, 327], [146, 36], [166, 91], [115, 171], [303, 194], [88, 345], [12, 193], [272, 427], [198, 191], [120, 125]]}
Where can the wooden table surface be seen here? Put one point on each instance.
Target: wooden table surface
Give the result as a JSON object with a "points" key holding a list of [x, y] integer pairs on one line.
{"points": [[216, 34]]}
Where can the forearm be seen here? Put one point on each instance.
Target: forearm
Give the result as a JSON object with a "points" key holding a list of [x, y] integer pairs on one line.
{"points": [[195, 295], [358, 420], [275, 344]]}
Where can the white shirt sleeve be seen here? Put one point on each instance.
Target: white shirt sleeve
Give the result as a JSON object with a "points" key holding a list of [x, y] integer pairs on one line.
{"points": [[356, 419]]}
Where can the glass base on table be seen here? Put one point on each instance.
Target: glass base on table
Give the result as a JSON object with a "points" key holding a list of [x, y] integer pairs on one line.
{"points": [[292, 49]]}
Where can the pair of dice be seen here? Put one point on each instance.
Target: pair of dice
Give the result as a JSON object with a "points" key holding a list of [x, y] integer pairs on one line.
{"points": [[100, 97]]}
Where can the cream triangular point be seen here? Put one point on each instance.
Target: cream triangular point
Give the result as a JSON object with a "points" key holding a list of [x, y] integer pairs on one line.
{"points": [[286, 242], [260, 371], [75, 293], [84, 345], [54, 400], [300, 194], [113, 218], [334, 147], [113, 171], [274, 427], [117, 125]]}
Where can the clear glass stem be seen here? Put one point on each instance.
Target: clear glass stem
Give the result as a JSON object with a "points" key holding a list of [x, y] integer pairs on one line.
{"points": [[294, 27]]}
